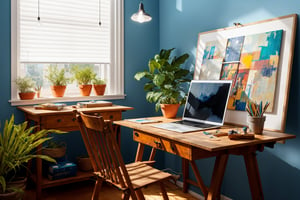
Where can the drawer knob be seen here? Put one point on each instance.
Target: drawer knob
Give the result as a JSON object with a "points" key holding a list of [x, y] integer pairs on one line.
{"points": [[158, 144], [74, 119], [58, 120], [111, 117], [136, 134], [172, 147]]}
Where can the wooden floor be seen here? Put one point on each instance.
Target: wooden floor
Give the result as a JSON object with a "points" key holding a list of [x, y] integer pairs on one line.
{"points": [[83, 191]]}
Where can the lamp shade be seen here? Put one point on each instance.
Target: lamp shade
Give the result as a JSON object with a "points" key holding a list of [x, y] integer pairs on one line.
{"points": [[141, 16]]}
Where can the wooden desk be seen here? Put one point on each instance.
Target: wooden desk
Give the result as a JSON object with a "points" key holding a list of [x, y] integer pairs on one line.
{"points": [[65, 120], [196, 145]]}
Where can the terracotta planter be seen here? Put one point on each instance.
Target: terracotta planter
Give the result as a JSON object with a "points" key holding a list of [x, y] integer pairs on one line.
{"points": [[26, 95], [99, 89], [58, 90], [169, 110], [85, 90], [15, 195]]}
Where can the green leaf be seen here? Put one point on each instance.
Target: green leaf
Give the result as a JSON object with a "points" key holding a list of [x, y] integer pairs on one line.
{"points": [[159, 79], [139, 75]]}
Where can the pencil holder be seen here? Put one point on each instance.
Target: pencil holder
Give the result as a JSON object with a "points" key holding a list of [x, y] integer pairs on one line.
{"points": [[256, 124]]}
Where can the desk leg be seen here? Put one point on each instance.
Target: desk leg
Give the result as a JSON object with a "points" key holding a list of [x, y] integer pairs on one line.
{"points": [[253, 176], [117, 131], [217, 177], [185, 174], [200, 182]]}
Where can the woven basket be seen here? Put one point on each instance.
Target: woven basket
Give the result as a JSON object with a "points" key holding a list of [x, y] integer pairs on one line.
{"points": [[55, 152]]}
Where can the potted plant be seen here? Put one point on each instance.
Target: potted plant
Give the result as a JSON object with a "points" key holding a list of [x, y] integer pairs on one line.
{"points": [[55, 149], [84, 77], [99, 86], [17, 147], [26, 87], [165, 81], [58, 80]]}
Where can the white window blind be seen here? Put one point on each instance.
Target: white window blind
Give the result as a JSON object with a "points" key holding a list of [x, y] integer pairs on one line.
{"points": [[68, 31]]}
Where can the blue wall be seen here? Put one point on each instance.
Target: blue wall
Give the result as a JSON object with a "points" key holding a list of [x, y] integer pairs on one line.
{"points": [[180, 23], [176, 23]]}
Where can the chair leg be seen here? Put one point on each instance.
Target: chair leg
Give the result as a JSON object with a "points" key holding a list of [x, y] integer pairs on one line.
{"points": [[97, 188], [139, 194], [126, 195], [163, 191]]}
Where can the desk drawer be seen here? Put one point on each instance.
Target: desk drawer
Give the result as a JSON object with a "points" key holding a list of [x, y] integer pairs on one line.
{"points": [[114, 116], [68, 121], [173, 147], [59, 121]]}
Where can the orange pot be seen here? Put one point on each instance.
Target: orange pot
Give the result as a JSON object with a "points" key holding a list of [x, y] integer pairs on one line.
{"points": [[58, 90], [169, 110], [99, 89], [85, 90], [26, 95]]}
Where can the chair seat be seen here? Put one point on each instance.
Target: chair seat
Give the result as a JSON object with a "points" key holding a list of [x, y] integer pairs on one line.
{"points": [[142, 175]]}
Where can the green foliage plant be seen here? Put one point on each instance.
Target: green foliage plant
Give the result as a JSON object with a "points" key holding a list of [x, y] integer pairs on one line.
{"points": [[83, 75], [98, 81], [165, 79], [17, 146], [25, 84], [57, 76]]}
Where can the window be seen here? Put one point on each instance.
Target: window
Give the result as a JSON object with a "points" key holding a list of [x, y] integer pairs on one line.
{"points": [[67, 33]]}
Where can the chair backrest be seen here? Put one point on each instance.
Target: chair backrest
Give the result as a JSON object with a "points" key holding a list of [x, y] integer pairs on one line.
{"points": [[103, 150]]}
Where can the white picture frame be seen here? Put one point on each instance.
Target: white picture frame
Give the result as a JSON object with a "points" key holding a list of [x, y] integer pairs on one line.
{"points": [[276, 120]]}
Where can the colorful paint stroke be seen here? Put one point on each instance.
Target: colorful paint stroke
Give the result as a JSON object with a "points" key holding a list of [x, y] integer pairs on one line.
{"points": [[233, 49], [256, 74], [213, 56]]}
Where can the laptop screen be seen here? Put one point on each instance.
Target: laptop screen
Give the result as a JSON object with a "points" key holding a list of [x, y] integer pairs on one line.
{"points": [[207, 101]]}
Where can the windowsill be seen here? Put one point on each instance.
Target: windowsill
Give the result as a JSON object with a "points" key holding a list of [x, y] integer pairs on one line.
{"points": [[18, 102]]}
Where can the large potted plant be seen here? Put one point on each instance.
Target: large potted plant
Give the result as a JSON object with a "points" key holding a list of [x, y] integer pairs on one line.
{"points": [[84, 77], [26, 87], [99, 86], [165, 81], [17, 147], [58, 80]]}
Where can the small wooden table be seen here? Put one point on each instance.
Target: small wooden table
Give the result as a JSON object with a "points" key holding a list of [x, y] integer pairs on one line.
{"points": [[197, 145], [65, 120]]}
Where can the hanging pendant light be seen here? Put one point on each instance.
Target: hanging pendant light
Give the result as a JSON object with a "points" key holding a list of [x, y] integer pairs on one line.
{"points": [[141, 16]]}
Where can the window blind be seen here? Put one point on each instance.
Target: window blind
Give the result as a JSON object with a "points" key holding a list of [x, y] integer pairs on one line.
{"points": [[68, 31]]}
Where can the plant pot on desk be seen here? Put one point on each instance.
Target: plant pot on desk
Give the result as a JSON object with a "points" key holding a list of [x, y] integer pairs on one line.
{"points": [[169, 110]]}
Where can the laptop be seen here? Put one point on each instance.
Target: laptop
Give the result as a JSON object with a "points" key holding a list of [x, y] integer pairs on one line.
{"points": [[205, 107]]}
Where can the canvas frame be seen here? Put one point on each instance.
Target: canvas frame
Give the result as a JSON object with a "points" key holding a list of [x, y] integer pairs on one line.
{"points": [[276, 120]]}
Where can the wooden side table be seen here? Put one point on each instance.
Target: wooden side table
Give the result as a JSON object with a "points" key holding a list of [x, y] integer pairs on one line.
{"points": [[65, 120]]}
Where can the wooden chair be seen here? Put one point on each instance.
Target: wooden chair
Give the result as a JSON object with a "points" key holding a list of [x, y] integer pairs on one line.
{"points": [[108, 164]]}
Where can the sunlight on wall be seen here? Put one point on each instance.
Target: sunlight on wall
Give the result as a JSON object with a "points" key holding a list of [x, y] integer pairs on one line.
{"points": [[252, 16], [179, 5]]}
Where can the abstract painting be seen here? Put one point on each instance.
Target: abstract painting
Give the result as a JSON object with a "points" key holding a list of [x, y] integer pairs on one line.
{"points": [[256, 73]]}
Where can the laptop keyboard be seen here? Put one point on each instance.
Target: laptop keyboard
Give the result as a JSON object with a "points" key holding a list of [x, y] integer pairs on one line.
{"points": [[194, 124]]}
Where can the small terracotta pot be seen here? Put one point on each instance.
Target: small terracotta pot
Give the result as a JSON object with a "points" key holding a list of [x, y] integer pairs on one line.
{"points": [[85, 90], [169, 110], [58, 90], [256, 124], [26, 95], [99, 89]]}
